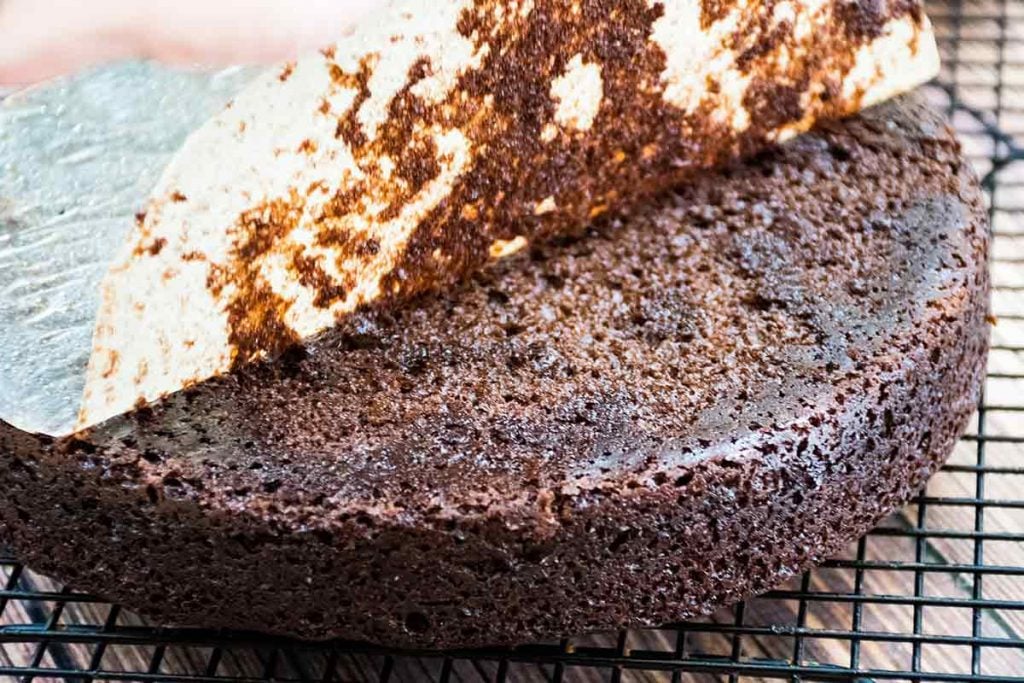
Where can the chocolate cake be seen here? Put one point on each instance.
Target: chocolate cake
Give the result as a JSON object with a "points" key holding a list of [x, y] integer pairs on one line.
{"points": [[679, 408]]}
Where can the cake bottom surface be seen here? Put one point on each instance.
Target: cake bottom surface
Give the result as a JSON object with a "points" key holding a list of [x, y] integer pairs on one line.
{"points": [[684, 406]]}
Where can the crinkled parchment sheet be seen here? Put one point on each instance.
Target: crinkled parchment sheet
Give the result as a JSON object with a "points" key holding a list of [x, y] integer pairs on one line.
{"points": [[78, 159]]}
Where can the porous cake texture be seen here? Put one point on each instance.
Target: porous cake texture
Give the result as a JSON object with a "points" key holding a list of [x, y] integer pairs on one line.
{"points": [[679, 408]]}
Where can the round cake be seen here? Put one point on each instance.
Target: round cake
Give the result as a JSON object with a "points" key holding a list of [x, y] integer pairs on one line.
{"points": [[680, 408]]}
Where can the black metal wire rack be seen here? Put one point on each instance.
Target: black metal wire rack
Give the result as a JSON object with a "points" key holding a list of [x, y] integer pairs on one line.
{"points": [[935, 593]]}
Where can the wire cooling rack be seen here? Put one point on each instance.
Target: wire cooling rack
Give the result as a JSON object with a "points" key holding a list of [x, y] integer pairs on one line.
{"points": [[935, 593]]}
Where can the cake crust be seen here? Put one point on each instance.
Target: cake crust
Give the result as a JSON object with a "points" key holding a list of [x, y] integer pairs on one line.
{"points": [[685, 406]]}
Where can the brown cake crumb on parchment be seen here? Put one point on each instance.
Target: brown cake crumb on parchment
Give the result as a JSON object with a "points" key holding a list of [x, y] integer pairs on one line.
{"points": [[409, 156]]}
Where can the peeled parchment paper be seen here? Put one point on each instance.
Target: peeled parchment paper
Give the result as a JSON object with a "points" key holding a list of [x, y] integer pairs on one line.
{"points": [[78, 159], [431, 140]]}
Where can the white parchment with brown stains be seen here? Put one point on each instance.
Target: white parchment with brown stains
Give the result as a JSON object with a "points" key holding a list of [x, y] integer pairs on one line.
{"points": [[445, 134]]}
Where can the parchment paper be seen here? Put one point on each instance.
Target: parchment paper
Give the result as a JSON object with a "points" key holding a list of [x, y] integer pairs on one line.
{"points": [[78, 158]]}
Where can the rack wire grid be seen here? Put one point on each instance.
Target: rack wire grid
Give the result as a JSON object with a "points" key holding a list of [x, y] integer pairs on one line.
{"points": [[935, 593]]}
